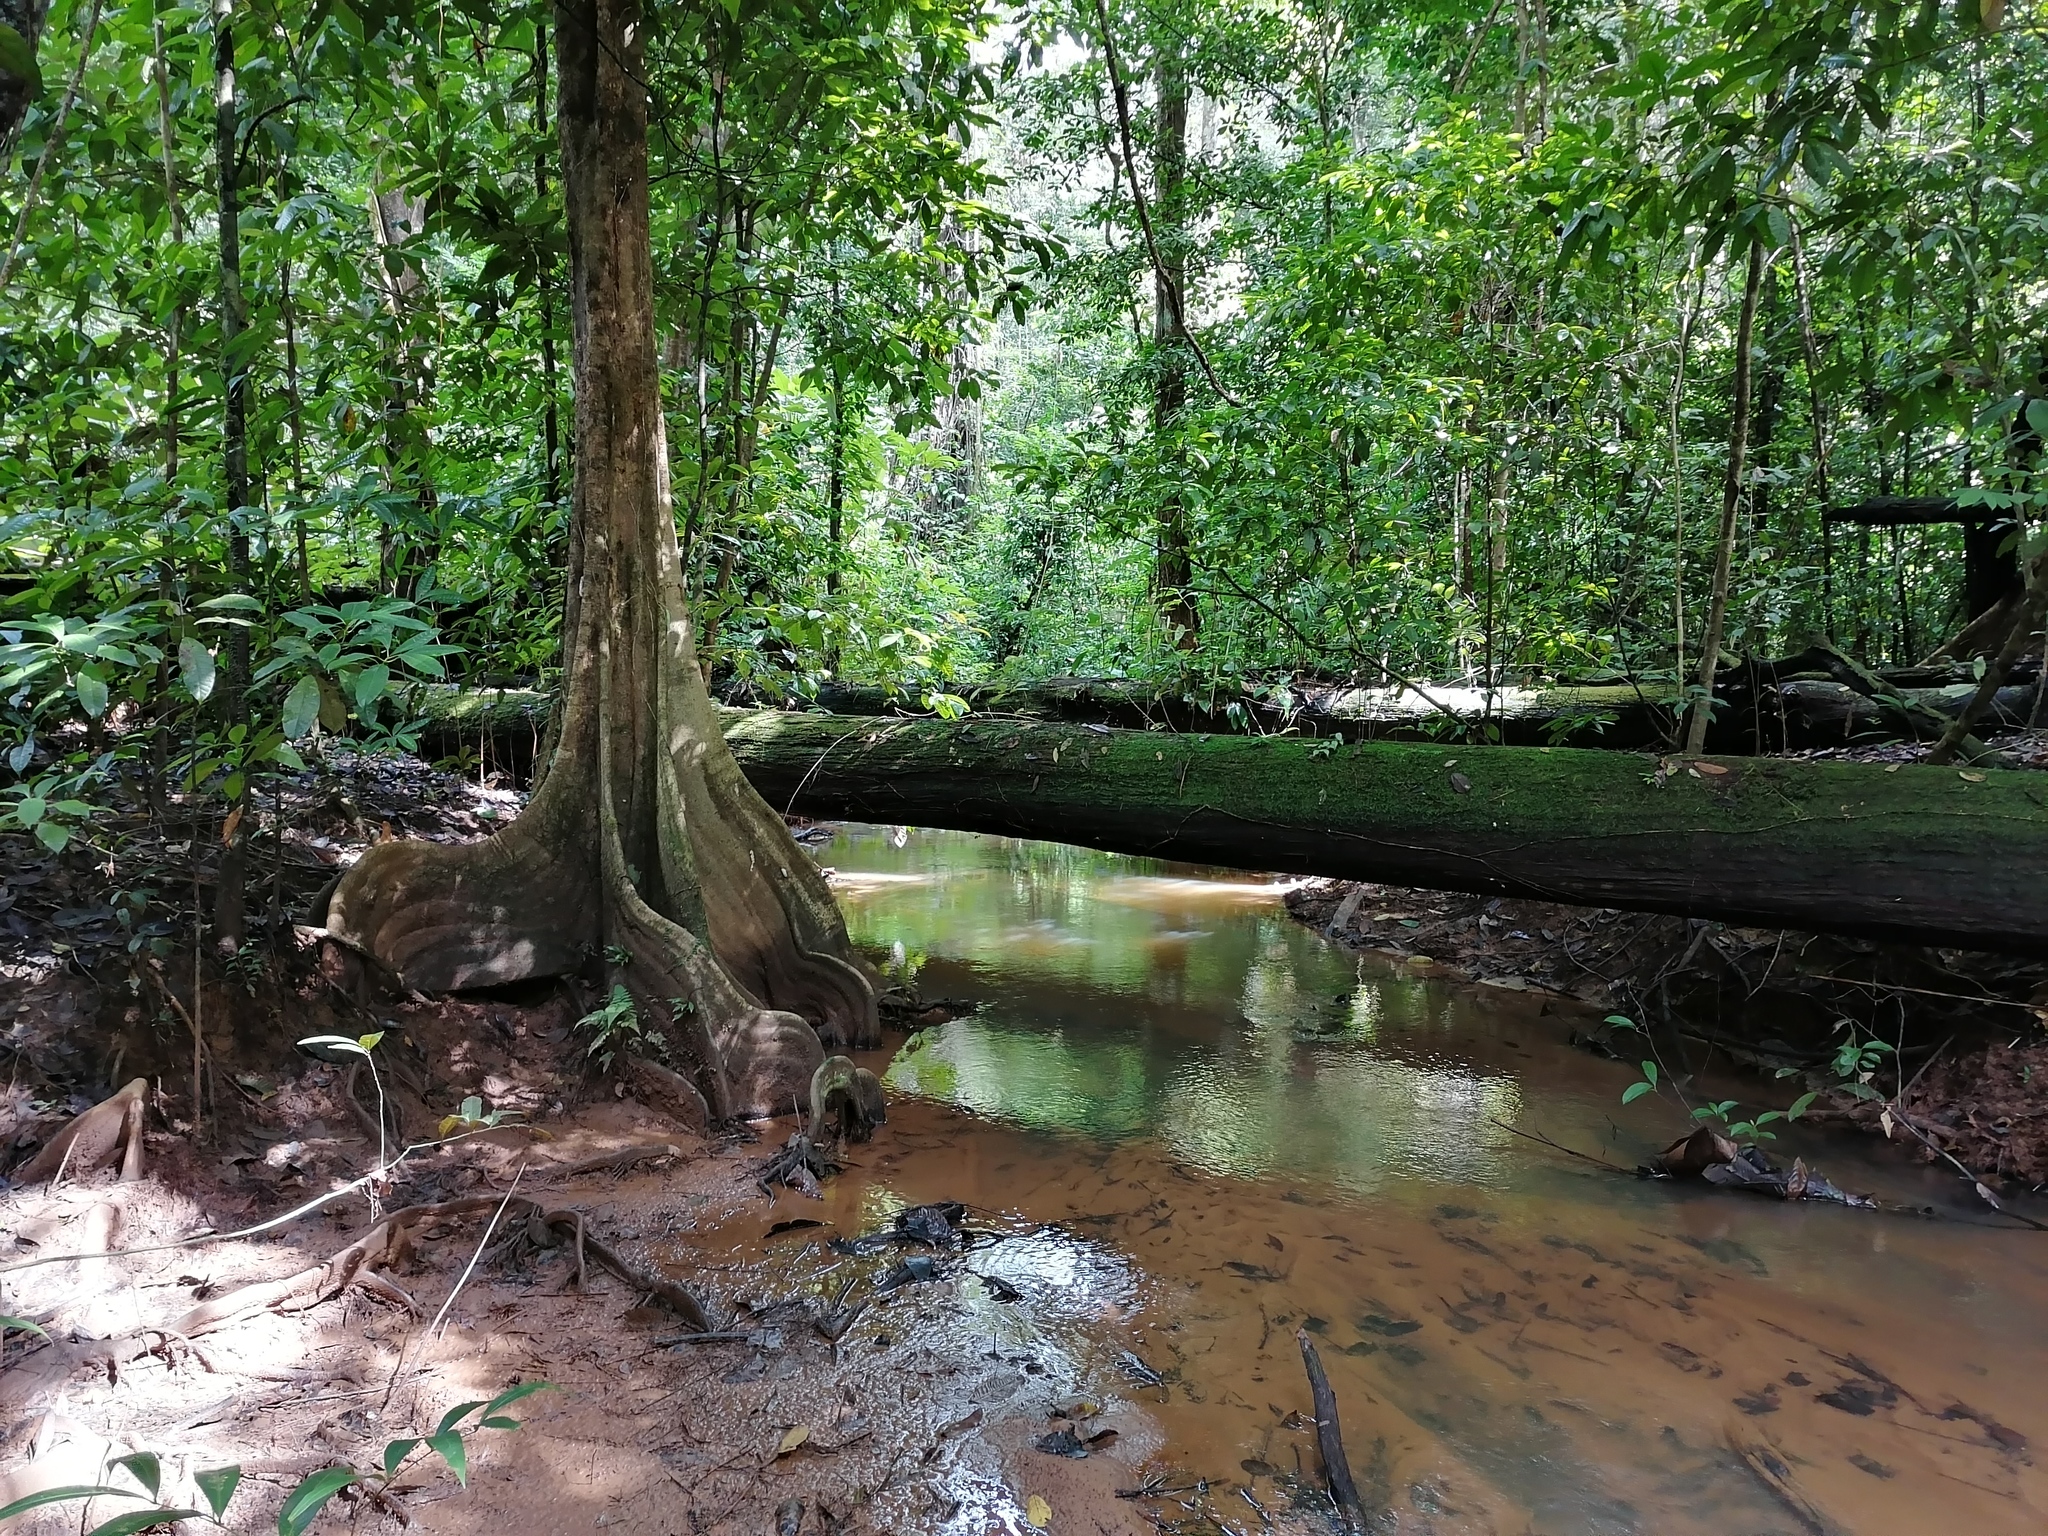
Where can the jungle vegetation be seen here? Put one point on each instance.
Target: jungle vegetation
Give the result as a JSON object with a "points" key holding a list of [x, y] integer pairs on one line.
{"points": [[1499, 340]]}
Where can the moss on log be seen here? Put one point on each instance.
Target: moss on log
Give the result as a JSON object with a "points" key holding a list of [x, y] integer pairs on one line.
{"points": [[1928, 855]]}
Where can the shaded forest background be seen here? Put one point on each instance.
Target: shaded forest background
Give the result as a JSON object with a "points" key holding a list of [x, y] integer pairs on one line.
{"points": [[999, 343]]}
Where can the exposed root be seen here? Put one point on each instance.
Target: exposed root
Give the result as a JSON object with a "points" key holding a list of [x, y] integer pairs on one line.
{"points": [[92, 1140]]}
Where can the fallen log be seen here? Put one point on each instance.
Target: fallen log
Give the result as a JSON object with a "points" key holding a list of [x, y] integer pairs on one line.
{"points": [[1815, 699], [1927, 855]]}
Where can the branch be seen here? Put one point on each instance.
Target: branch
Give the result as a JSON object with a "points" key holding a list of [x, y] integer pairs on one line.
{"points": [[50, 144], [1167, 285], [1373, 661]]}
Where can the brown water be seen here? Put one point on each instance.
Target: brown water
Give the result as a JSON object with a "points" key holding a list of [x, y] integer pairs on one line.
{"points": [[1201, 1128]]}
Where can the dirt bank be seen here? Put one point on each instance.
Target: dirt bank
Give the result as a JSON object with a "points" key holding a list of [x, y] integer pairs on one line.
{"points": [[161, 1347]]}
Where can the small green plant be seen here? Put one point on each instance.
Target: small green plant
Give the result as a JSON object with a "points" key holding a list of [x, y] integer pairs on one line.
{"points": [[218, 1485], [1752, 1128], [471, 1117], [616, 1027], [342, 1050]]}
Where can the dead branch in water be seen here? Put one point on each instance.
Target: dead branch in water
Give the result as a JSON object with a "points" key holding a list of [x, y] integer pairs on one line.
{"points": [[1330, 1440]]}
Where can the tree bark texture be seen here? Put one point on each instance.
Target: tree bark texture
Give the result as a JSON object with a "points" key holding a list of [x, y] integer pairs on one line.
{"points": [[1921, 854], [643, 849]]}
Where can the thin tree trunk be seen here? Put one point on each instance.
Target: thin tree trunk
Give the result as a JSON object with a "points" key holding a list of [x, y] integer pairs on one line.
{"points": [[1809, 344], [234, 368], [1173, 571], [296, 421], [1731, 500], [551, 426]]}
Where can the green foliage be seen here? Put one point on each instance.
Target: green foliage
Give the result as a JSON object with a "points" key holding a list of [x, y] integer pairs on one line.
{"points": [[613, 1027], [303, 1504]]}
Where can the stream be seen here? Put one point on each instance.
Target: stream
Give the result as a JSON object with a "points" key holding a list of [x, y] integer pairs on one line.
{"points": [[1200, 1128]]}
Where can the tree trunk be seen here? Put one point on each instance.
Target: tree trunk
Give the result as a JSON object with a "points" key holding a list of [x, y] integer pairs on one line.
{"points": [[551, 428], [228, 914], [1837, 847], [644, 849], [1731, 500], [1173, 572], [396, 217]]}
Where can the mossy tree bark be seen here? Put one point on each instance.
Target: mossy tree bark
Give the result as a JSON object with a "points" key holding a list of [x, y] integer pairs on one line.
{"points": [[644, 846], [1922, 854]]}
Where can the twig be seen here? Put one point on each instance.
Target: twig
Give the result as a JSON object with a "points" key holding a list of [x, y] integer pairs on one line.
{"points": [[1557, 1146], [204, 1238], [483, 1242], [1371, 660]]}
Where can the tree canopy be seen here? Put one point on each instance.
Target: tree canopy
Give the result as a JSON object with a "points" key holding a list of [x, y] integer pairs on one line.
{"points": [[1001, 342]]}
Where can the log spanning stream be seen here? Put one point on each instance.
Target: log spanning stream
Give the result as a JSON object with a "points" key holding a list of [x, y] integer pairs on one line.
{"points": [[1204, 1128]]}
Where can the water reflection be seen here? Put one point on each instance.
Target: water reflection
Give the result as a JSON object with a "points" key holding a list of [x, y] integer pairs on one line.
{"points": [[1124, 999], [1233, 1130]]}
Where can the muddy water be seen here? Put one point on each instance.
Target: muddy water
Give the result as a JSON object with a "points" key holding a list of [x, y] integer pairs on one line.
{"points": [[1200, 1129]]}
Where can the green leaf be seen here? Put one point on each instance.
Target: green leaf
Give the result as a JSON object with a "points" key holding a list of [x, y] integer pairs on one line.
{"points": [[371, 684], [1800, 1105], [144, 1520], [395, 1454], [449, 1443], [1634, 1091], [310, 1497], [302, 707], [92, 694], [233, 602], [54, 835], [2037, 417], [1650, 1073], [195, 669], [460, 1411], [21, 1325], [30, 809], [218, 1484], [510, 1396], [335, 1049], [22, 1506], [18, 58], [144, 1468]]}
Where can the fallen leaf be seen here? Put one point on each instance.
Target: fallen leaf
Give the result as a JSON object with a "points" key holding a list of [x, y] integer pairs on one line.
{"points": [[1038, 1512], [1884, 1118], [1892, 767], [792, 1439], [1714, 770], [227, 828], [1971, 778]]}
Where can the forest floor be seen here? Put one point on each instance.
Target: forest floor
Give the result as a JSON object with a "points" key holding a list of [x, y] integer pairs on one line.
{"points": [[900, 1424], [896, 1425], [1965, 1029]]}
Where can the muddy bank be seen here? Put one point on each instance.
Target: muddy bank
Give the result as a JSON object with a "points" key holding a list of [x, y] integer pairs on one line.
{"points": [[260, 1352], [1964, 1057]]}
